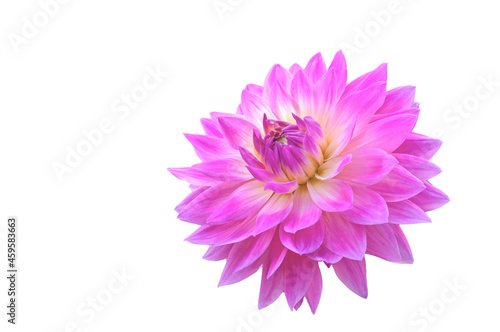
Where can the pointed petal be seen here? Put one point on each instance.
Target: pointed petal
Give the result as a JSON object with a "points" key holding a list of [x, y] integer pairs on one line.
{"points": [[219, 234], [231, 276], [352, 273], [358, 106], [248, 251], [431, 198], [313, 294], [248, 199], [282, 187], [270, 287], [204, 205], [277, 253], [274, 212], [386, 134], [250, 159], [369, 208], [302, 92], [209, 148], [304, 212], [398, 185], [330, 195], [420, 167], [237, 132], [189, 198], [340, 66], [282, 104], [277, 74], [297, 277], [217, 253], [332, 167], [343, 237], [192, 176], [210, 128], [404, 247], [323, 254], [364, 81], [253, 107], [420, 146], [368, 166], [304, 241], [225, 170], [315, 68], [406, 212], [382, 242], [398, 99]]}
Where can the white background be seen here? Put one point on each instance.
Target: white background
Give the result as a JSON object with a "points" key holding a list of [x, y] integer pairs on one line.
{"points": [[115, 210]]}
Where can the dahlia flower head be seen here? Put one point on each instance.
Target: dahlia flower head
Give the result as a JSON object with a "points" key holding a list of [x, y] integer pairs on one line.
{"points": [[310, 169]]}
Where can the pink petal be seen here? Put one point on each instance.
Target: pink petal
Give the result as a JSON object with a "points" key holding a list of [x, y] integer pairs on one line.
{"points": [[225, 170], [253, 107], [340, 140], [420, 146], [364, 81], [274, 212], [352, 273], [277, 253], [201, 207], [248, 199], [343, 237], [332, 167], [304, 212], [408, 111], [313, 294], [330, 195], [368, 166], [219, 234], [217, 253], [406, 212], [262, 175], [295, 68], [281, 103], [238, 132], [255, 89], [270, 287], [382, 242], [211, 148], [210, 128], [297, 278], [250, 159], [302, 92], [398, 185], [420, 167], [340, 66], [305, 240], [358, 106], [277, 74], [248, 251], [282, 187], [193, 176], [231, 276], [404, 247], [326, 94], [386, 134], [398, 99], [369, 208], [315, 68], [189, 198], [323, 254], [431, 198]]}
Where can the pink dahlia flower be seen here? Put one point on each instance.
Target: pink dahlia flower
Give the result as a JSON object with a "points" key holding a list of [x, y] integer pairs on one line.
{"points": [[309, 170]]}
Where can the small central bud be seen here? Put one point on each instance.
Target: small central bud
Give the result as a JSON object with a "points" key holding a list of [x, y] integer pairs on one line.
{"points": [[281, 139]]}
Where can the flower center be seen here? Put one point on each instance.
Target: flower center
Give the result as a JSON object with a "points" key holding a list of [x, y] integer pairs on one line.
{"points": [[283, 151]]}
